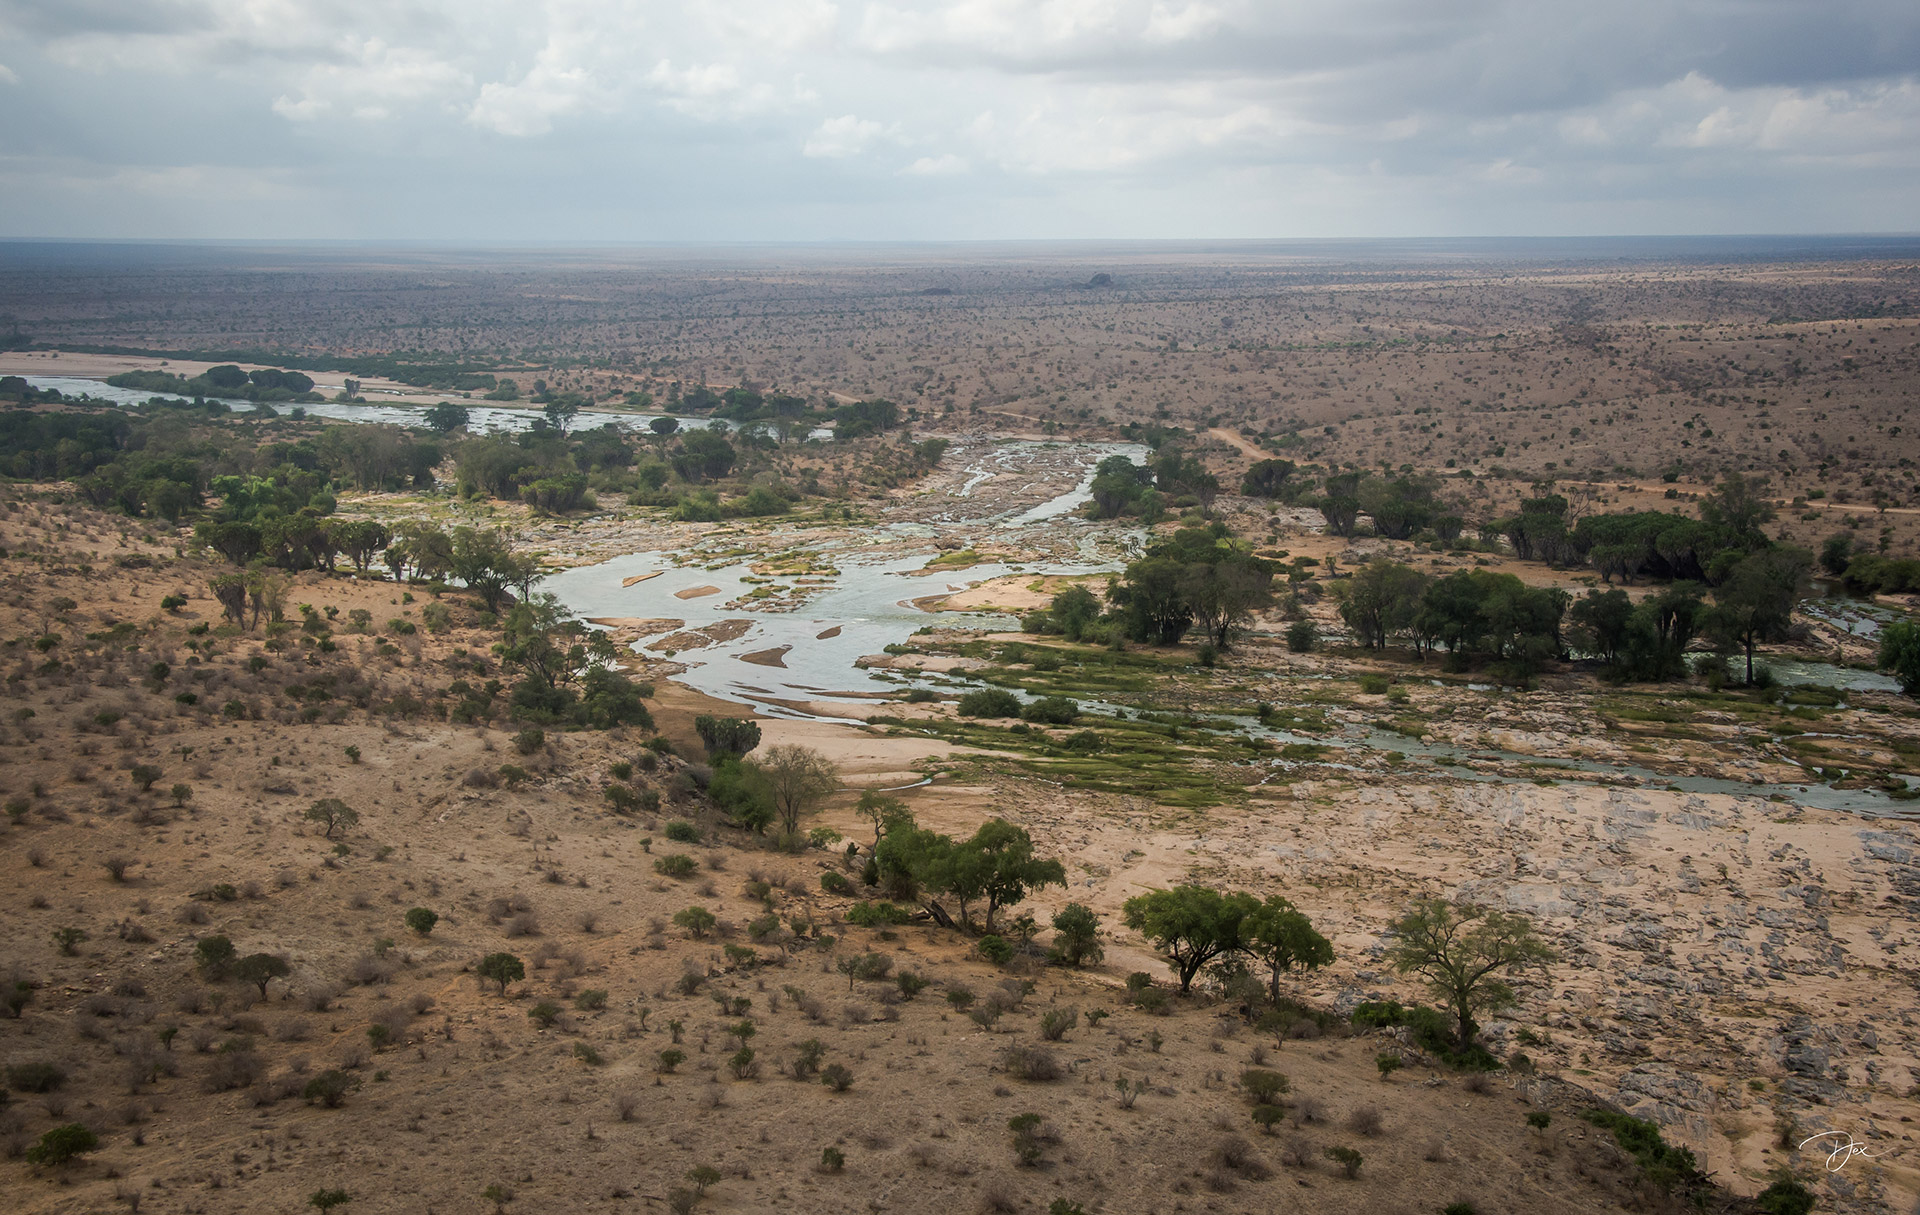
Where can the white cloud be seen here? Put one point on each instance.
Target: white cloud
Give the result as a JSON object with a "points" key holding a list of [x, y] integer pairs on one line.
{"points": [[1171, 104], [838, 138], [945, 165]]}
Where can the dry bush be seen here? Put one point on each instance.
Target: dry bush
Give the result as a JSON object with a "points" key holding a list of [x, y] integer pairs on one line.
{"points": [[1366, 1120], [1477, 1082], [1296, 1153], [626, 1104], [1435, 1152], [368, 970], [192, 913], [1032, 1063], [319, 999], [233, 1069], [1308, 1109], [291, 1029]]}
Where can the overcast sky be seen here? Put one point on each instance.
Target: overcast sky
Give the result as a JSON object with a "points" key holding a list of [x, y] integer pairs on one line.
{"points": [[967, 119]]}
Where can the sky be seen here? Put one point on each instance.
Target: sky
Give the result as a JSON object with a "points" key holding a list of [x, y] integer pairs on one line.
{"points": [[843, 120]]}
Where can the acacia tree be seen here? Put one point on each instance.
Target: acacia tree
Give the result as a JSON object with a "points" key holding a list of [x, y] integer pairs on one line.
{"points": [[1192, 925], [1283, 939], [799, 779], [261, 969], [333, 813], [880, 810], [1461, 949]]}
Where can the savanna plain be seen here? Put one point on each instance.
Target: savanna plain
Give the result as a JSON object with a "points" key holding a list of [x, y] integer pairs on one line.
{"points": [[1398, 728]]}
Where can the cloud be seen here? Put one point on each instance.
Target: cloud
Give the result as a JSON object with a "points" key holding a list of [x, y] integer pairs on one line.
{"points": [[1365, 112], [944, 165], [838, 138], [8, 75]]}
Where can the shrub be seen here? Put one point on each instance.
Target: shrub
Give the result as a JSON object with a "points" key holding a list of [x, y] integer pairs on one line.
{"points": [[330, 1088], [1029, 1143], [1661, 1163], [1388, 1063], [63, 1144], [529, 740], [836, 1077], [1076, 936], [832, 1160], [544, 1014], [1302, 636], [591, 1000], [326, 1200], [696, 920], [1264, 1086], [1365, 1121], [1539, 1120], [835, 883], [1786, 1196], [1056, 1023], [682, 832], [676, 865], [994, 949], [1348, 1160], [873, 915], [422, 920], [214, 956], [989, 702], [1033, 1063], [36, 1077], [69, 939], [146, 776], [1052, 711], [670, 1059]]}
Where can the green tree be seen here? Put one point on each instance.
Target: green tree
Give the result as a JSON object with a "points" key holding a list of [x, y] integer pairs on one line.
{"points": [[146, 776], [1073, 611], [1380, 600], [880, 810], [799, 779], [1462, 950], [446, 417], [502, 968], [1284, 940], [561, 413], [326, 1200], [726, 735], [1900, 653], [999, 862], [332, 812], [214, 956], [62, 1145], [422, 919], [1076, 936], [1192, 925], [1755, 602], [486, 562], [261, 969]]}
